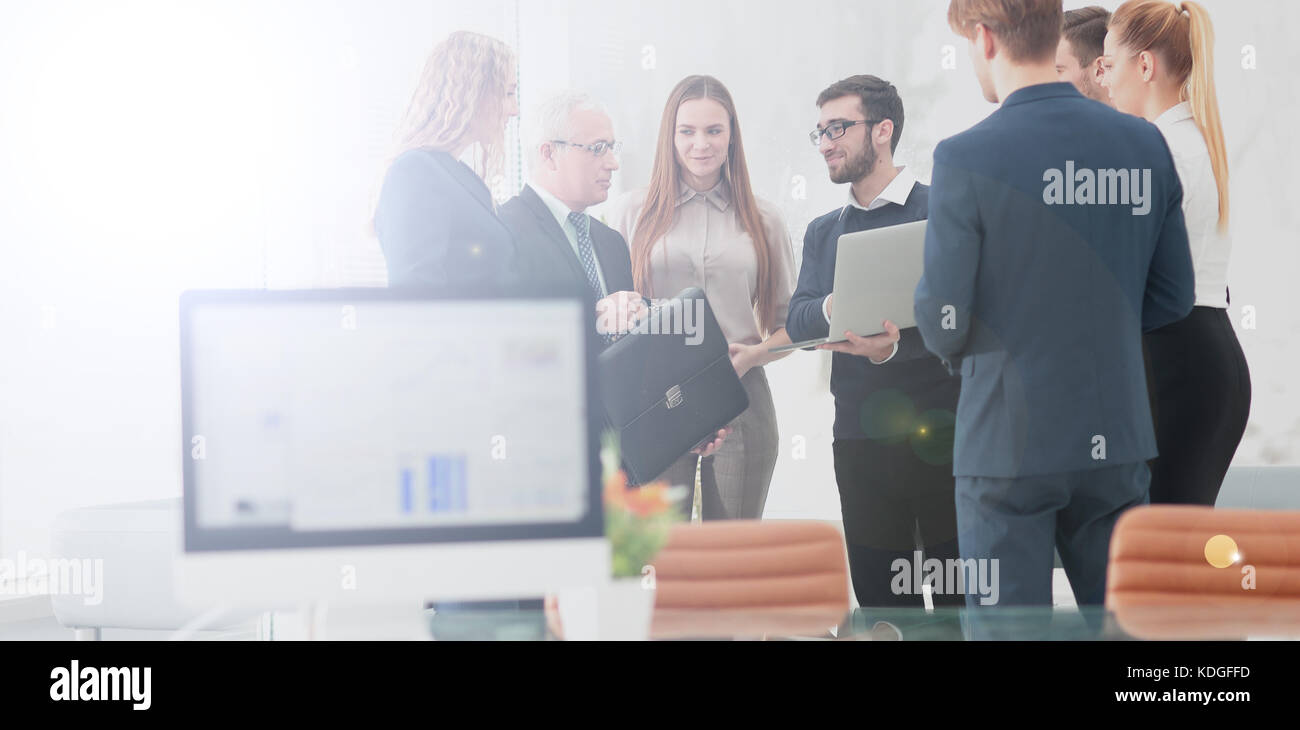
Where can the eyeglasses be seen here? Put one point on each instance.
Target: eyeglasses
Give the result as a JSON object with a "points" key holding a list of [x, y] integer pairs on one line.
{"points": [[597, 149], [835, 130]]}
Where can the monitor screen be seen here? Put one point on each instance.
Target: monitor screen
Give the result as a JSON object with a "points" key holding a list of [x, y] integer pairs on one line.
{"points": [[372, 417]]}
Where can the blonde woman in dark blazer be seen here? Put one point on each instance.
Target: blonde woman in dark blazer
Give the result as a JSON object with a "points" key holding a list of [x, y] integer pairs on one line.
{"points": [[436, 221]]}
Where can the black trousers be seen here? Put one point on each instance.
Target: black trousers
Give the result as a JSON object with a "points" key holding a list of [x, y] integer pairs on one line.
{"points": [[1199, 386], [889, 492]]}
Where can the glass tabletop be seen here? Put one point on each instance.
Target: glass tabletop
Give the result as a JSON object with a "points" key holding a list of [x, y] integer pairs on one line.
{"points": [[999, 623]]}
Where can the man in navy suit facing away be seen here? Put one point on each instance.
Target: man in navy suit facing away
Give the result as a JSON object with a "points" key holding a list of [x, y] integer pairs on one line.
{"points": [[1055, 239]]}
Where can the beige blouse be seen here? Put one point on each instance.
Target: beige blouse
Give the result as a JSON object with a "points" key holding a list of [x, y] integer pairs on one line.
{"points": [[709, 248]]}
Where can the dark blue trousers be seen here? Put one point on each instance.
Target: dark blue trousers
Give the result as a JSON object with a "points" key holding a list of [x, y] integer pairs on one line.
{"points": [[1018, 520]]}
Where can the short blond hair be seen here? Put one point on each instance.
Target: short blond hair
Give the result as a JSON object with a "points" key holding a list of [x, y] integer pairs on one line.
{"points": [[1029, 30]]}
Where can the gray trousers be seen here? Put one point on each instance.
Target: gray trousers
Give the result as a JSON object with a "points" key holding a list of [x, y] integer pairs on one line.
{"points": [[734, 481]]}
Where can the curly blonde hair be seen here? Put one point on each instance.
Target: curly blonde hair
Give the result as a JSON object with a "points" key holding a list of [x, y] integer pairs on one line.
{"points": [[463, 85]]}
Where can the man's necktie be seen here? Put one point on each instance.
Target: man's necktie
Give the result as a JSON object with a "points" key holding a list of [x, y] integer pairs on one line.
{"points": [[586, 253], [587, 257]]}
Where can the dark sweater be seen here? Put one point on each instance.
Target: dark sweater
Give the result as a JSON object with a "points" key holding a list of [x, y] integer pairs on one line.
{"points": [[919, 376]]}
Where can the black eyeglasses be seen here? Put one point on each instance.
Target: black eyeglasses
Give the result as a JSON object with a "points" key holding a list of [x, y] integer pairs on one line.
{"points": [[835, 130], [596, 148]]}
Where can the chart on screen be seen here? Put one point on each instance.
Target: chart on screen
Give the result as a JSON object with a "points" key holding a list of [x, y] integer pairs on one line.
{"points": [[408, 416]]}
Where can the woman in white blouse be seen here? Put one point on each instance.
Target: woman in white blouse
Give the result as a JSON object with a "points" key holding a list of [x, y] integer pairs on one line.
{"points": [[1158, 64], [699, 224]]}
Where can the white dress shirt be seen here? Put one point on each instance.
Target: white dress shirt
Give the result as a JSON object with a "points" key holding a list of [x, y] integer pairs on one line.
{"points": [[561, 213], [1210, 248], [897, 191]]}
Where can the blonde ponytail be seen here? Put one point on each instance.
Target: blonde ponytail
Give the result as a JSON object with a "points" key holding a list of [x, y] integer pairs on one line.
{"points": [[1199, 93], [1181, 34]]}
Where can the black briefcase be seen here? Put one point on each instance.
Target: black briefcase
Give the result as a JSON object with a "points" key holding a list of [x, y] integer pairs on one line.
{"points": [[668, 385]]}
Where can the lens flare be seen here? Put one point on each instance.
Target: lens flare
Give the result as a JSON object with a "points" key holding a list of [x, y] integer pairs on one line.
{"points": [[1221, 551]]}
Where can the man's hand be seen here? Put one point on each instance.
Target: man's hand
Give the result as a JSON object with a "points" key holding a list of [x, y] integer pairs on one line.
{"points": [[617, 312], [875, 348], [830, 302], [712, 446]]}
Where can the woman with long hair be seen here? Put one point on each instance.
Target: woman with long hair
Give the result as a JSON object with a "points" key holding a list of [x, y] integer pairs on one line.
{"points": [[699, 223], [436, 220], [1159, 65]]}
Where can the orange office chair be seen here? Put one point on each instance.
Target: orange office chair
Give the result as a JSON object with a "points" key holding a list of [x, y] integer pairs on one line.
{"points": [[1190, 572], [750, 578]]}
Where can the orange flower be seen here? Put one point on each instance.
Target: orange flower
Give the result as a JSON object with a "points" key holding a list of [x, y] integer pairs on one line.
{"points": [[649, 500], [616, 489]]}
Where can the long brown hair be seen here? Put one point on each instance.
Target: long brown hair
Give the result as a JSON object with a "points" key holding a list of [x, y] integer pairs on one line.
{"points": [[1182, 36], [659, 211]]}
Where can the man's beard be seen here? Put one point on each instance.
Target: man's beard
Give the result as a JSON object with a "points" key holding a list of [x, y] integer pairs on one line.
{"points": [[856, 168]]}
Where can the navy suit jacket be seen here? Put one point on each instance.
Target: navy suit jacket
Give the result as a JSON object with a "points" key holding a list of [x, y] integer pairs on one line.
{"points": [[546, 259], [437, 227], [1039, 298]]}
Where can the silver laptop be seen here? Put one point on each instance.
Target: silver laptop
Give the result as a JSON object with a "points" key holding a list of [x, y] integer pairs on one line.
{"points": [[876, 273]]}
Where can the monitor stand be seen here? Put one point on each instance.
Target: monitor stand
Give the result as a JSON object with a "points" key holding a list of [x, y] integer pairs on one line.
{"points": [[346, 621]]}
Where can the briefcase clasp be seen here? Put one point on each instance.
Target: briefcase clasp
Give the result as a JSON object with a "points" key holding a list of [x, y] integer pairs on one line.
{"points": [[674, 396]]}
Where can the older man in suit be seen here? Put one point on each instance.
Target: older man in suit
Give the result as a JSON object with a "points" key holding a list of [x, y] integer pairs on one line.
{"points": [[1042, 271], [572, 157]]}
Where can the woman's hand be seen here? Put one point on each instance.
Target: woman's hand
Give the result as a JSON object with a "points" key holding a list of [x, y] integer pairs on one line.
{"points": [[744, 357], [715, 442], [747, 357]]}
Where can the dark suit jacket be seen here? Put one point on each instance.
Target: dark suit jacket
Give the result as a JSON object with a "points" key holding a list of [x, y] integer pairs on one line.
{"points": [[546, 259], [437, 227], [1046, 301]]}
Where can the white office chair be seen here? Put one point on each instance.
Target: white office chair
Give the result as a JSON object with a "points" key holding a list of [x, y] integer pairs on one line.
{"points": [[137, 542]]}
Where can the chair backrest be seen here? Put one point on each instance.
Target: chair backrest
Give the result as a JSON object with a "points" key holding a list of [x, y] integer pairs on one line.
{"points": [[1160, 558], [753, 564]]}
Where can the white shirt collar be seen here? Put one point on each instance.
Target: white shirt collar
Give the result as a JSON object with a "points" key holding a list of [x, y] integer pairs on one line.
{"points": [[553, 204], [897, 191], [1174, 114]]}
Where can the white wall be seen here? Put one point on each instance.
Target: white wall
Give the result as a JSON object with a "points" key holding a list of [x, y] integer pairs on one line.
{"points": [[150, 147]]}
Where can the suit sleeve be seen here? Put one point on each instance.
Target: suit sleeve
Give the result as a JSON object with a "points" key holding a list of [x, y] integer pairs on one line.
{"points": [[805, 320], [1171, 279], [412, 221], [945, 296], [618, 268]]}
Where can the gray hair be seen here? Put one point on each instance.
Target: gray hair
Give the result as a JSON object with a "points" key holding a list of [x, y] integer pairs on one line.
{"points": [[552, 120]]}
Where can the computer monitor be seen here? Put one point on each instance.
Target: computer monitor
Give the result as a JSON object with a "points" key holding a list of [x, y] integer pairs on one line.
{"points": [[372, 446]]}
